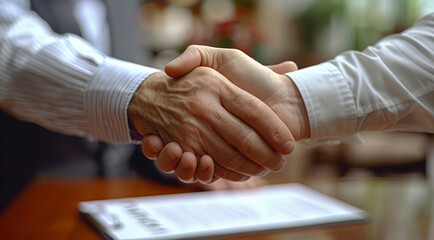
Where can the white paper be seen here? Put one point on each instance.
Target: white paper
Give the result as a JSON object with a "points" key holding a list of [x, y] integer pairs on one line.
{"points": [[202, 214]]}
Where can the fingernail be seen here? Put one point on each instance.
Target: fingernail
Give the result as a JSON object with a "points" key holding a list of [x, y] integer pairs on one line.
{"points": [[166, 169], [185, 166], [203, 167], [205, 182], [280, 166], [288, 147], [263, 173], [191, 180]]}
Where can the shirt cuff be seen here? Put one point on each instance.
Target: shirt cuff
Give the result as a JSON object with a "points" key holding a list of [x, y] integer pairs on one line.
{"points": [[329, 101], [108, 96]]}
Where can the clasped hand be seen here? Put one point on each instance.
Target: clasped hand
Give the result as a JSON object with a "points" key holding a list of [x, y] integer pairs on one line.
{"points": [[219, 114]]}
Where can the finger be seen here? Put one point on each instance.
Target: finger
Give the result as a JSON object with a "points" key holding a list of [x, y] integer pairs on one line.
{"points": [[236, 66], [284, 67], [229, 163], [248, 142], [152, 146], [169, 157], [221, 138], [224, 173], [270, 125], [260, 117], [219, 150], [183, 64], [186, 168], [205, 169]]}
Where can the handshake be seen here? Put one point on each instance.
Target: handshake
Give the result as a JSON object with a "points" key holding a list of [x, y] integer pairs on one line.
{"points": [[219, 114]]}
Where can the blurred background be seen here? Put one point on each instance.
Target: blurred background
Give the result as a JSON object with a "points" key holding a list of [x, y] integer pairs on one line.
{"points": [[307, 32]]}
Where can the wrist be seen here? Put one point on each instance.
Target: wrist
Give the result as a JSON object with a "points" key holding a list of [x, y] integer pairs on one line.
{"points": [[138, 110], [301, 111], [297, 109]]}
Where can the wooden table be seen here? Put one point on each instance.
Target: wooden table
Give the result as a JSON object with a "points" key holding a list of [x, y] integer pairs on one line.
{"points": [[47, 209]]}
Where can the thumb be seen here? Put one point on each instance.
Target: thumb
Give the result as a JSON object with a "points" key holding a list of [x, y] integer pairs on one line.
{"points": [[184, 64], [196, 56], [236, 66]]}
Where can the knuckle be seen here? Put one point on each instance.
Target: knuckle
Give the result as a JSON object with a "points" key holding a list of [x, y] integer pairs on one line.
{"points": [[192, 47], [173, 154], [235, 52], [254, 110], [204, 110], [205, 56], [248, 141], [164, 165], [234, 162], [192, 137], [277, 136], [199, 106], [223, 173], [148, 151], [273, 162]]}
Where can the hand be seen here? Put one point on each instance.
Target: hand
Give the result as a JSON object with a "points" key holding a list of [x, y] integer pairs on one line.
{"points": [[276, 90], [171, 158], [201, 112]]}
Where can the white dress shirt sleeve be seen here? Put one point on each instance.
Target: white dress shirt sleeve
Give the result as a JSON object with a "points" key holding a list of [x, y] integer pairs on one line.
{"points": [[388, 86], [61, 82]]}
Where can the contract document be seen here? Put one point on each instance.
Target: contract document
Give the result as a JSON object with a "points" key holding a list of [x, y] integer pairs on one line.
{"points": [[218, 213]]}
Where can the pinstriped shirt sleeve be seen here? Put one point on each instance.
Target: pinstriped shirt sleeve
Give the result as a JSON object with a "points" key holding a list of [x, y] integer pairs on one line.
{"points": [[389, 86], [61, 82]]}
